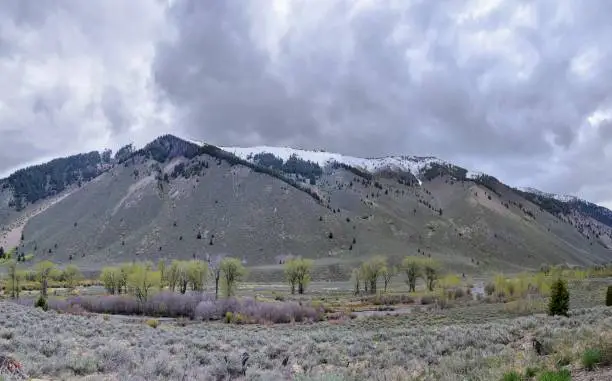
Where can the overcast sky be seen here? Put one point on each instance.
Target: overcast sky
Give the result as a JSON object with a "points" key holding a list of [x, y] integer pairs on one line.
{"points": [[518, 89]]}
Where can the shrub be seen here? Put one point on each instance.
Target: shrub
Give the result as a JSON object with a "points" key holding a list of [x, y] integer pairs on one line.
{"points": [[490, 288], [41, 302], [193, 306], [459, 293], [609, 296], [153, 323], [428, 299], [511, 376], [388, 300], [531, 372], [561, 375], [590, 358], [606, 352], [559, 299]]}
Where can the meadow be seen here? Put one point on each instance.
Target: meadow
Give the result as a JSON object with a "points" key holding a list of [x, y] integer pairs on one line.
{"points": [[330, 332]]}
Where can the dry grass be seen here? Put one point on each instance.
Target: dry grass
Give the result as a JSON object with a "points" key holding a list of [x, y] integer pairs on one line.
{"points": [[446, 345]]}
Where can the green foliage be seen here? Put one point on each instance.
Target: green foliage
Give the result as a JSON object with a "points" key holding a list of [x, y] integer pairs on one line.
{"points": [[176, 276], [430, 272], [232, 272], [111, 279], [153, 323], [141, 280], [297, 273], [71, 276], [591, 358], [512, 376], [371, 270], [531, 372], [560, 375], [197, 273], [14, 278], [41, 302], [44, 270], [435, 170], [7, 255], [412, 268], [185, 274], [609, 296], [37, 182], [163, 274], [559, 299]]}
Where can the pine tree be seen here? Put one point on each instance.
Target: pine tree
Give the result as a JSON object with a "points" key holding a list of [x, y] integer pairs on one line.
{"points": [[609, 297], [559, 299]]}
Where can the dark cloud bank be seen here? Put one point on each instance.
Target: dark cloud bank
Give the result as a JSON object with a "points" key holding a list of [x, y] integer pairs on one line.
{"points": [[513, 88]]}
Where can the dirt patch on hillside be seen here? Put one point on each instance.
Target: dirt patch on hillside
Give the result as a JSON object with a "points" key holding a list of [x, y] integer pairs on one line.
{"points": [[10, 235]]}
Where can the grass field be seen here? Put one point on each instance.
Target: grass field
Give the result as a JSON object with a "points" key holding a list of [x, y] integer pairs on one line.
{"points": [[465, 341]]}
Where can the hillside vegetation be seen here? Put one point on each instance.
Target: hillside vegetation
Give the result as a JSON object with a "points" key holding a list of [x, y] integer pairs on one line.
{"points": [[173, 199]]}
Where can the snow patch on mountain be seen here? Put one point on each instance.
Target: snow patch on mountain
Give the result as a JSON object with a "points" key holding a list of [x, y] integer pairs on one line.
{"points": [[559, 197], [474, 174], [413, 164]]}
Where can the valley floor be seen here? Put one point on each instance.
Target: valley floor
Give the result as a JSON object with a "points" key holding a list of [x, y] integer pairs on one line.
{"points": [[475, 343]]}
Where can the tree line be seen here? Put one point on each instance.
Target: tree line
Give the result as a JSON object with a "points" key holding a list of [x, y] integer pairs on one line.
{"points": [[142, 279]]}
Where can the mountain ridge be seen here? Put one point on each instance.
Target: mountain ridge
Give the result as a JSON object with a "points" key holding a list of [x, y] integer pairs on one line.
{"points": [[175, 198]]}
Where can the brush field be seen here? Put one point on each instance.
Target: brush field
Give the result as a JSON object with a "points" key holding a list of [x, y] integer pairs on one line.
{"points": [[466, 341]]}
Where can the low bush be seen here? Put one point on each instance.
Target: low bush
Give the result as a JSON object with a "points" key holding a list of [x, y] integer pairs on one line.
{"points": [[490, 288], [388, 300], [428, 299], [561, 375], [511, 376], [192, 306], [153, 323], [609, 296], [606, 351], [591, 358], [531, 372], [41, 303]]}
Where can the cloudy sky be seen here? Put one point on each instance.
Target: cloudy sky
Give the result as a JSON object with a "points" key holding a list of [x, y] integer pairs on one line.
{"points": [[520, 90]]}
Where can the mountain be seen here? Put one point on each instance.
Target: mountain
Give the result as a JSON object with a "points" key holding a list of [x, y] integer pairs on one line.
{"points": [[181, 199]]}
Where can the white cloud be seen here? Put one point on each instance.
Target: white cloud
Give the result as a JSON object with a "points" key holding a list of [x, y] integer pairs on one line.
{"points": [[518, 89]]}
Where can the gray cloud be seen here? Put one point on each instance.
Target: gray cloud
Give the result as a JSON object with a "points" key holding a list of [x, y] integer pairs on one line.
{"points": [[514, 88], [508, 90], [76, 76]]}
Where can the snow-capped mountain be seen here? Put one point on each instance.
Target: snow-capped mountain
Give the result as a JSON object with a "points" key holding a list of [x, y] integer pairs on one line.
{"points": [[563, 198], [416, 165], [413, 164]]}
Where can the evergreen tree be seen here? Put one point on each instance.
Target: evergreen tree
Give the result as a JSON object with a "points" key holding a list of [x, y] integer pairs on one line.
{"points": [[559, 299], [609, 297]]}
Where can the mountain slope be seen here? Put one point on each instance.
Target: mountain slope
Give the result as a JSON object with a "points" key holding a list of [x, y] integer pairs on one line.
{"points": [[176, 199]]}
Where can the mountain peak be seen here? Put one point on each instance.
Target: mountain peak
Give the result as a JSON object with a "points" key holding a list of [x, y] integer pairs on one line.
{"points": [[558, 197], [412, 164]]}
